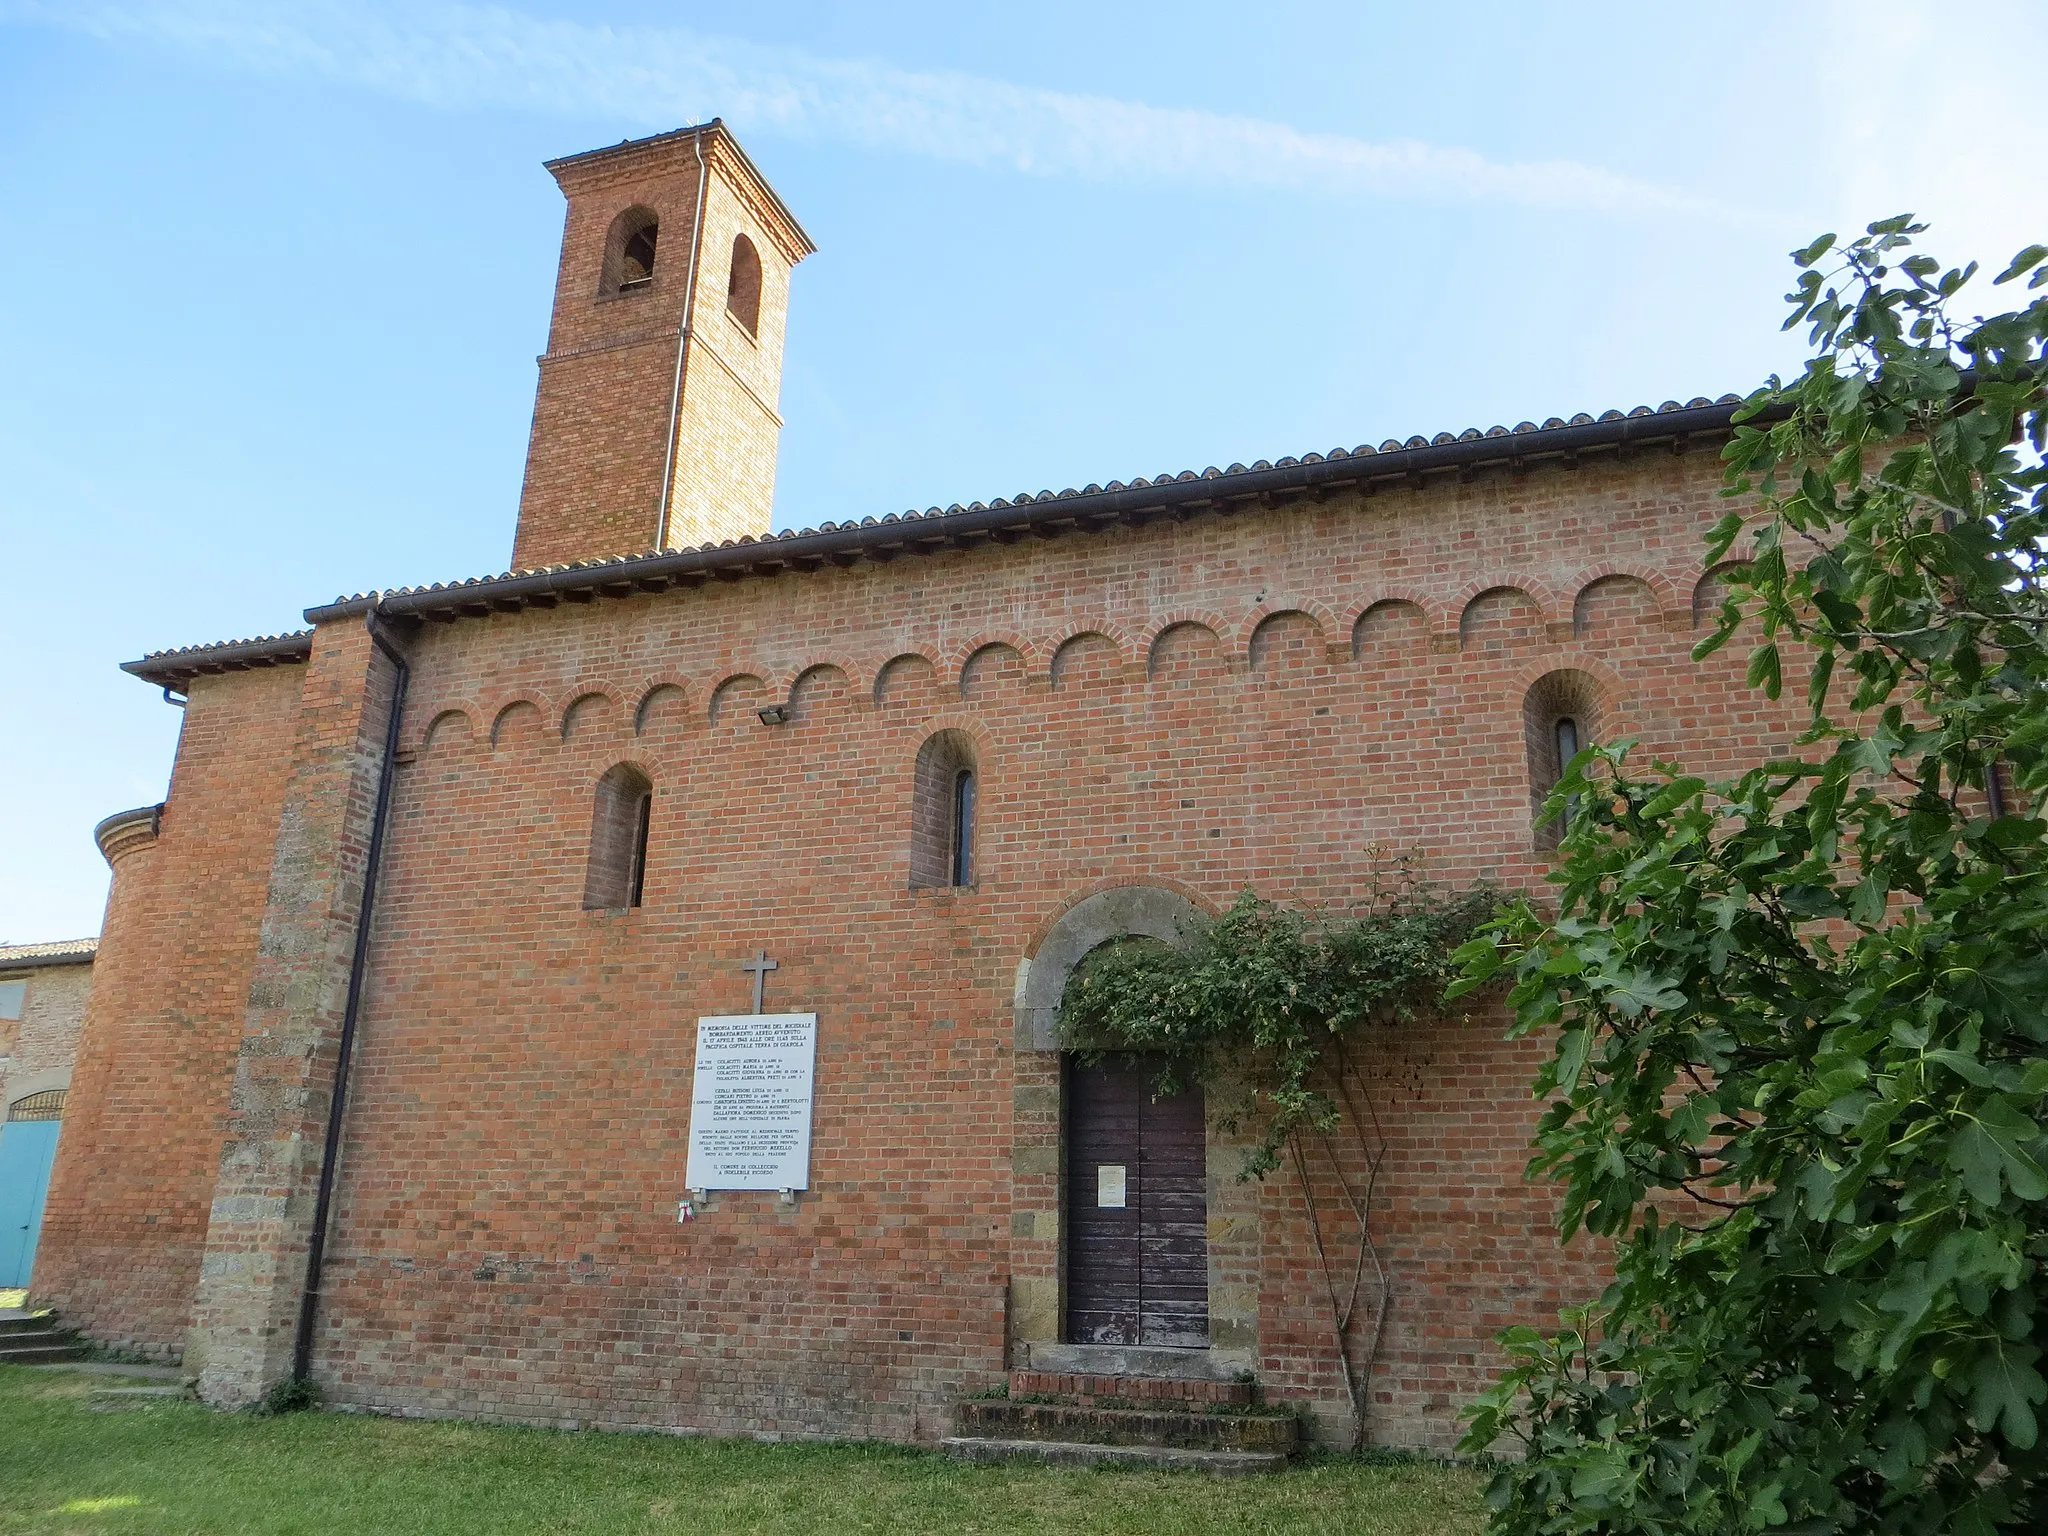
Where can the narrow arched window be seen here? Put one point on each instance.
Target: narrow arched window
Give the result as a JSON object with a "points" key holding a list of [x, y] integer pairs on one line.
{"points": [[1559, 717], [963, 827], [629, 249], [743, 285], [616, 877], [1567, 741], [942, 812]]}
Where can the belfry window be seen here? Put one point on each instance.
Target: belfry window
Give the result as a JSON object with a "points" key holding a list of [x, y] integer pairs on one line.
{"points": [[944, 795], [1558, 722], [617, 874], [743, 285], [636, 262], [629, 252]]}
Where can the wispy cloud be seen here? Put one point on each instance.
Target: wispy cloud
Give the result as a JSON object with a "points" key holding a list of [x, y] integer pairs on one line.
{"points": [[465, 56]]}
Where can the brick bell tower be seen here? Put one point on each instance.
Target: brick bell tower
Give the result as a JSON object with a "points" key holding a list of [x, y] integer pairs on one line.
{"points": [[655, 422]]}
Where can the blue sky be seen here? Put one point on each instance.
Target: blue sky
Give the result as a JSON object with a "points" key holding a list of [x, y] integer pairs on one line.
{"points": [[272, 278]]}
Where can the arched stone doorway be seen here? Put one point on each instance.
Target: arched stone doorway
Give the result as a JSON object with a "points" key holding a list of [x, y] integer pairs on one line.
{"points": [[1081, 1144]]}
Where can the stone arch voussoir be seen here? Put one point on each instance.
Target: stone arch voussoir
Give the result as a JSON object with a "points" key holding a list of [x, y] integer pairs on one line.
{"points": [[1113, 910], [22, 1084]]}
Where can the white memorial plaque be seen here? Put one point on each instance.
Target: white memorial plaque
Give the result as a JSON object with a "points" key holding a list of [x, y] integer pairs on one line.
{"points": [[1109, 1186], [750, 1106]]}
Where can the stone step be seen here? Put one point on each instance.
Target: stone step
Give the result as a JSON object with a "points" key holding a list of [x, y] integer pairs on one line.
{"points": [[1082, 1453], [39, 1354], [14, 1320], [114, 1399], [1137, 1360], [1118, 1391], [157, 1373], [998, 1418]]}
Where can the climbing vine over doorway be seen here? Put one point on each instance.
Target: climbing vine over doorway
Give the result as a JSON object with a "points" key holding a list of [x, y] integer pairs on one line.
{"points": [[1271, 1011]]}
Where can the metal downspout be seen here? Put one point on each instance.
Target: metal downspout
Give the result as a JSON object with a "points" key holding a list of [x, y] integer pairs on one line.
{"points": [[316, 1247], [675, 396]]}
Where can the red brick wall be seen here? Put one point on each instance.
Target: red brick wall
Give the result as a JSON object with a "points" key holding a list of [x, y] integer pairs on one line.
{"points": [[506, 1240], [127, 1214]]}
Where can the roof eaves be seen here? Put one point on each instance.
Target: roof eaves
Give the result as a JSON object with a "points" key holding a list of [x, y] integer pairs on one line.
{"points": [[175, 669], [1050, 514], [26, 957]]}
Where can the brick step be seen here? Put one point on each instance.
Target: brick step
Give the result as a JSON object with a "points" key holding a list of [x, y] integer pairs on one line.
{"points": [[1083, 1453], [998, 1418], [1119, 1391]]}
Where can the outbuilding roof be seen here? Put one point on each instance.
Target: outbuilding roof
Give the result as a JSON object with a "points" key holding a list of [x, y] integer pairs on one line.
{"points": [[1417, 462], [27, 957]]}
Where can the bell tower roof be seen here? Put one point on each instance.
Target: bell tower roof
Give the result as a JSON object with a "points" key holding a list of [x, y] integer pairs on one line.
{"points": [[630, 159]]}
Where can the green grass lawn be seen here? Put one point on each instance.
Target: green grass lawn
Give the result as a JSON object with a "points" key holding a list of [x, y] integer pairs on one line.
{"points": [[177, 1467]]}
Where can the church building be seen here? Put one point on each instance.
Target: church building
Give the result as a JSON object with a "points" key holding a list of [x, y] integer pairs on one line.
{"points": [[392, 1073]]}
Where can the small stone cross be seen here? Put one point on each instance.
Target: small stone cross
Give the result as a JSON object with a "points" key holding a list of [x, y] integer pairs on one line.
{"points": [[760, 965]]}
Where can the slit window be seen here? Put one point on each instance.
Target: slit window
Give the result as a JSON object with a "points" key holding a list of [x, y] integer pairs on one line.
{"points": [[945, 794], [617, 873], [1567, 742], [1559, 718], [963, 827]]}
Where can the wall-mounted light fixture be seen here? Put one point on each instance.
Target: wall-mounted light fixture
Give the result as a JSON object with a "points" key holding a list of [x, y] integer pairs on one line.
{"points": [[774, 714]]}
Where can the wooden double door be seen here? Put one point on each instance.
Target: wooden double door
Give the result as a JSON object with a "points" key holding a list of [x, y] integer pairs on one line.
{"points": [[1137, 1209]]}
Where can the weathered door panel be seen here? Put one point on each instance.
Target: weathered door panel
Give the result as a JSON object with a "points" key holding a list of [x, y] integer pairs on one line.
{"points": [[1137, 1273]]}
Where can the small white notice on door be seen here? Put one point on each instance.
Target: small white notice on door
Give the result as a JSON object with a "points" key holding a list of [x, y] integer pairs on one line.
{"points": [[750, 1106], [1109, 1186]]}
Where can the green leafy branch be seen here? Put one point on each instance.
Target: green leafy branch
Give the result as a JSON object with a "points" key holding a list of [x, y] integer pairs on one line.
{"points": [[1801, 1019], [1270, 1010]]}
